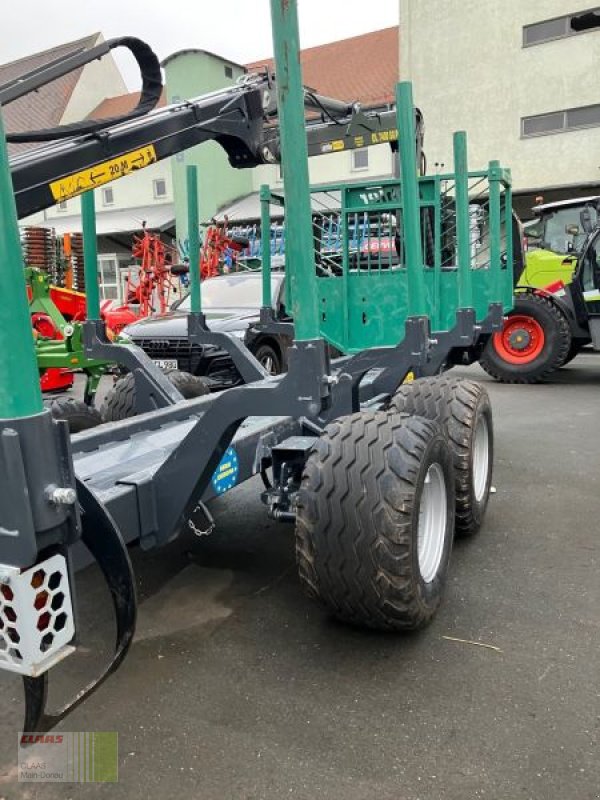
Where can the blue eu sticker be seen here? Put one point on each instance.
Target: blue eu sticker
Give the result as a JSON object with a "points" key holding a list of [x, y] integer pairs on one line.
{"points": [[226, 474]]}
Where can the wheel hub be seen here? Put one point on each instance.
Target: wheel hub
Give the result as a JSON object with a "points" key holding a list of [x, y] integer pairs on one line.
{"points": [[521, 340], [481, 458], [432, 523], [268, 364]]}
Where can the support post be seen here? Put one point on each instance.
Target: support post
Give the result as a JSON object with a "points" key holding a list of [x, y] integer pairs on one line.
{"points": [[90, 255], [411, 212], [494, 174], [507, 272], [193, 237], [265, 244], [20, 394], [463, 222], [300, 259]]}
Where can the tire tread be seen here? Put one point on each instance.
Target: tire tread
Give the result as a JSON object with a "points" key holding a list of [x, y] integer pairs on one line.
{"points": [[356, 517], [454, 403], [498, 369]]}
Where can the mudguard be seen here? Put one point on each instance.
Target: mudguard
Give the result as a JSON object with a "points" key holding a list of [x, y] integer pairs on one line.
{"points": [[101, 536]]}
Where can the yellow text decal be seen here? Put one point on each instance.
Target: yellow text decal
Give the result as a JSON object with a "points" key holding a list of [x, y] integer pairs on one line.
{"points": [[79, 182]]}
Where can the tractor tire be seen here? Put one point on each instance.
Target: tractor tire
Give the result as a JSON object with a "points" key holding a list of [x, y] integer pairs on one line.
{"points": [[463, 408], [375, 520], [574, 350], [78, 415], [119, 403], [547, 335]]}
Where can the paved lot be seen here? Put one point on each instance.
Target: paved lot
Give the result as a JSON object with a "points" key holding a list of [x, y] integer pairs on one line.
{"points": [[237, 687]]}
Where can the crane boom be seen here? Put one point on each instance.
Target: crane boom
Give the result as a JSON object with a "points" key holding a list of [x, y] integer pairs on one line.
{"points": [[241, 118]]}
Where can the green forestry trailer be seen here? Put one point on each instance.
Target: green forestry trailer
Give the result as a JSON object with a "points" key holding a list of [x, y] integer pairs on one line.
{"points": [[376, 475], [241, 119]]}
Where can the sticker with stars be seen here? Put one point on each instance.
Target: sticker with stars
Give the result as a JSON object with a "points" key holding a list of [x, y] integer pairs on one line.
{"points": [[226, 474]]}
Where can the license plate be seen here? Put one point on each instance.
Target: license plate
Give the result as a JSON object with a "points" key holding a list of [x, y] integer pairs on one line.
{"points": [[166, 363]]}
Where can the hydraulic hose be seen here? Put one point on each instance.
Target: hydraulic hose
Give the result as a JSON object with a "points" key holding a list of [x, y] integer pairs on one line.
{"points": [[152, 85]]}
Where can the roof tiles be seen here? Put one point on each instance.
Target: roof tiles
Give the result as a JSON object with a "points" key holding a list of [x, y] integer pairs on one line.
{"points": [[363, 68], [45, 107]]}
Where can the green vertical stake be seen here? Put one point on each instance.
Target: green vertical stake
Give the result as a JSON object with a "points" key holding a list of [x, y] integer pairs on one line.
{"points": [[507, 273], [411, 213], [90, 255], [495, 230], [300, 258], [20, 394], [265, 244], [193, 237], [463, 222]]}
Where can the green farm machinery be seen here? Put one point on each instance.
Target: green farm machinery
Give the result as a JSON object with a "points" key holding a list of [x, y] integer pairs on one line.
{"points": [[59, 343], [375, 474], [557, 295], [555, 309]]}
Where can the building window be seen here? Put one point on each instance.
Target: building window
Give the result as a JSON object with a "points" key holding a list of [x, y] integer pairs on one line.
{"points": [[108, 197], [543, 123], [160, 188], [570, 119], [228, 71], [360, 159], [62, 206], [108, 275], [551, 29]]}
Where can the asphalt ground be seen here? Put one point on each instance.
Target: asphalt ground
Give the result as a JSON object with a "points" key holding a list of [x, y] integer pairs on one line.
{"points": [[239, 687]]}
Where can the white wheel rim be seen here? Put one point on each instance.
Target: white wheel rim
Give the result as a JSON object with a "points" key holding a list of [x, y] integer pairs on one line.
{"points": [[268, 363], [433, 513], [481, 458]]}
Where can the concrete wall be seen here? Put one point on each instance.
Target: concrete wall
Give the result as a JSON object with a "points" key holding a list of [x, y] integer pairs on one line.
{"points": [[471, 72], [189, 74]]}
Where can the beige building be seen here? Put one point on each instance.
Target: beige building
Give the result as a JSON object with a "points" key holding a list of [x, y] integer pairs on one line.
{"points": [[517, 79]]}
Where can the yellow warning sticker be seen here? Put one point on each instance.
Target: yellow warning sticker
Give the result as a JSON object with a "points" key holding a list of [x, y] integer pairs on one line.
{"points": [[384, 136], [333, 147], [79, 182]]}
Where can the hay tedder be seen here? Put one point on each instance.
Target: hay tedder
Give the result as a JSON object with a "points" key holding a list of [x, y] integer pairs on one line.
{"points": [[151, 286], [376, 475]]}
